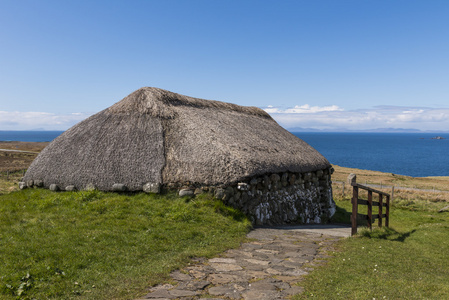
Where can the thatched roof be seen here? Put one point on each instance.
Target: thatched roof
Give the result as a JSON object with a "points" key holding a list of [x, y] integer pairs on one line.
{"points": [[157, 136]]}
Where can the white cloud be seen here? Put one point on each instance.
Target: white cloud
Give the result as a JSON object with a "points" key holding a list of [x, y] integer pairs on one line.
{"points": [[302, 109], [335, 118], [17, 120]]}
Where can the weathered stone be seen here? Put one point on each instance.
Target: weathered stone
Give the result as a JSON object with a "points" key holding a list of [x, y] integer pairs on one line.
{"points": [[152, 187], [237, 196], [261, 295], [90, 187], [160, 294], [253, 182], [182, 293], [119, 187], [265, 182], [198, 191], [307, 176], [70, 188], [225, 291], [197, 285], [180, 276], [275, 177], [284, 177], [242, 186], [38, 183], [222, 260], [22, 185], [258, 262], [260, 285], [319, 173], [292, 179], [225, 267], [54, 187], [219, 193], [229, 191], [186, 192], [30, 183], [223, 278]]}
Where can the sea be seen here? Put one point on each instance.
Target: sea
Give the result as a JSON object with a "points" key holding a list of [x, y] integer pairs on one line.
{"points": [[411, 154]]}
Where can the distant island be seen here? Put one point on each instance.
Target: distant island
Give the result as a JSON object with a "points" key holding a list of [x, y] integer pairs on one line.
{"points": [[438, 138]]}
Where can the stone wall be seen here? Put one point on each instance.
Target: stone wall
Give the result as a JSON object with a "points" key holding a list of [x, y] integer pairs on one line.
{"points": [[275, 199]]}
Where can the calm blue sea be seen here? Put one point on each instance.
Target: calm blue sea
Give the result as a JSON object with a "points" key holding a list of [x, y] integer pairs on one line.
{"points": [[29, 136], [413, 154]]}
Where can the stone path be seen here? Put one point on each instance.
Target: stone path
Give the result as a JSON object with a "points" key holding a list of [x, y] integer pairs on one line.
{"points": [[267, 267]]}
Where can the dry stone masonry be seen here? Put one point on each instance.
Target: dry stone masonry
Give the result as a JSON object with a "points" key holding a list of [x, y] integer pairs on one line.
{"points": [[286, 198]]}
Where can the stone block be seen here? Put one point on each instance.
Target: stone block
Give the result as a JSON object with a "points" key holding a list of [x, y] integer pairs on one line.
{"points": [[70, 188], [38, 183], [90, 187], [229, 191], [186, 192], [54, 187], [219, 193], [242, 186], [22, 185], [119, 187], [152, 187], [275, 177]]}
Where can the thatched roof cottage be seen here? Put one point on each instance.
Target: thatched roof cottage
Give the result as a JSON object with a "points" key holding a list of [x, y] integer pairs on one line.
{"points": [[156, 139]]}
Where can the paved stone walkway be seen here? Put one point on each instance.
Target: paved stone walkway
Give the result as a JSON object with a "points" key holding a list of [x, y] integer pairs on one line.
{"points": [[267, 267]]}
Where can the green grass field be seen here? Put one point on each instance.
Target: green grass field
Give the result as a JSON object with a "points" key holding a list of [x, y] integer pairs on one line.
{"points": [[94, 245], [410, 260]]}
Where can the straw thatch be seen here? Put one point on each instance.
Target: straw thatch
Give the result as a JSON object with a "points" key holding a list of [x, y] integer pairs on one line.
{"points": [[158, 136]]}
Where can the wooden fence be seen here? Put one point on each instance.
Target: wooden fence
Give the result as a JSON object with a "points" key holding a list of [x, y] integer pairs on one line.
{"points": [[369, 217]]}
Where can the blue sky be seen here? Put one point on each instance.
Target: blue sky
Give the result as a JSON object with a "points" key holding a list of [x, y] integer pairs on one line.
{"points": [[328, 65]]}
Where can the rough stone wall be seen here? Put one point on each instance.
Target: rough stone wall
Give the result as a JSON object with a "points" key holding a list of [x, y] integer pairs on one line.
{"points": [[283, 198], [275, 199]]}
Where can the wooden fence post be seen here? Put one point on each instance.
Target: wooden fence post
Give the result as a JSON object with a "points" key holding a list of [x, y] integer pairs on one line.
{"points": [[352, 180], [380, 210], [392, 192], [370, 210], [387, 213], [355, 197]]}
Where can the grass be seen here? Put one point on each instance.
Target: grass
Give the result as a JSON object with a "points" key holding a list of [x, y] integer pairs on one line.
{"points": [[9, 182], [95, 245], [376, 177], [409, 260]]}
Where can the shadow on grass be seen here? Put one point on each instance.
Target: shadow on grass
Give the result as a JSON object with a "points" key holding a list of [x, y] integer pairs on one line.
{"points": [[341, 216], [386, 234]]}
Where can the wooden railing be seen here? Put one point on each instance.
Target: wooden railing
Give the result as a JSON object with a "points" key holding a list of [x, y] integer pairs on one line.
{"points": [[369, 217]]}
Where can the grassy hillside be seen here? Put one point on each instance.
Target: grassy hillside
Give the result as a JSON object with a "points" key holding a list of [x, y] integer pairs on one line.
{"points": [[94, 245]]}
